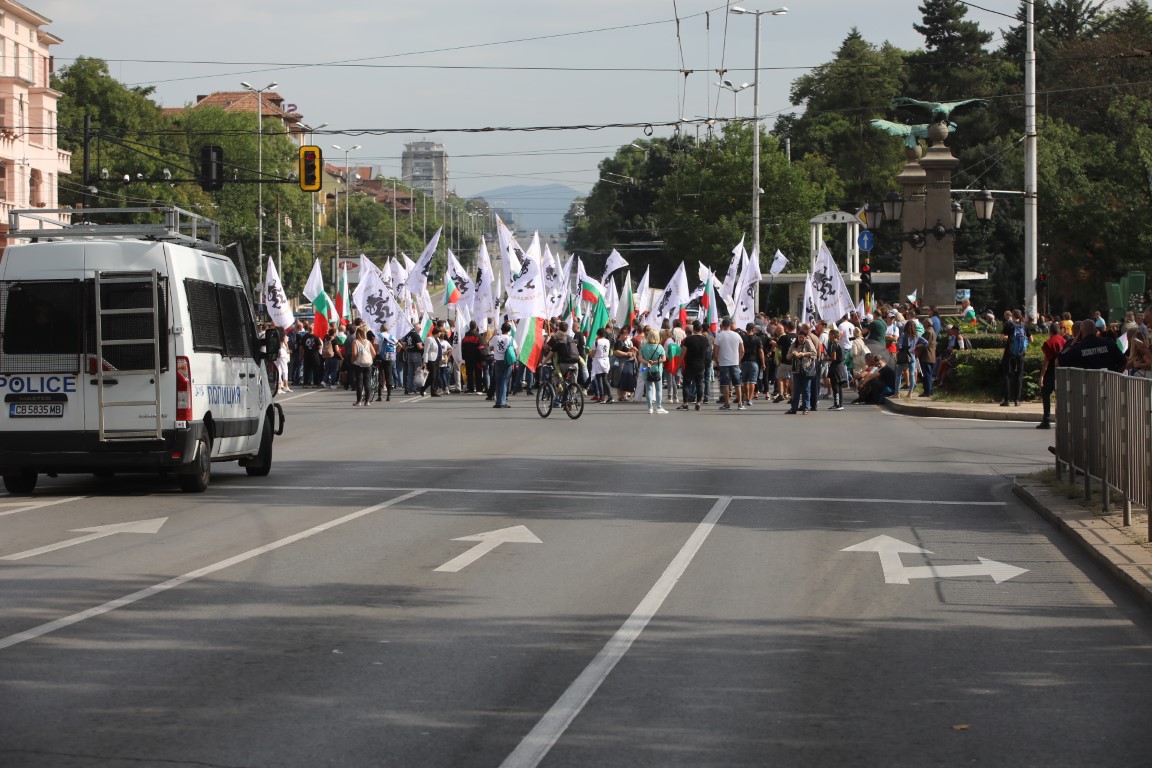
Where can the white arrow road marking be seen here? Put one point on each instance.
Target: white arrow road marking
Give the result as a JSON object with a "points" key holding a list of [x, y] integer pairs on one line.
{"points": [[96, 532], [24, 506], [895, 572], [517, 534]]}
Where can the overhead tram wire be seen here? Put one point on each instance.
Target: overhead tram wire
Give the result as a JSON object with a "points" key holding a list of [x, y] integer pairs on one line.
{"points": [[452, 49]]}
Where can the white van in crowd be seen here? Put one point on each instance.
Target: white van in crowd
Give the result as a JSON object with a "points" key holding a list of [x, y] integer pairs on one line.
{"points": [[128, 348]]}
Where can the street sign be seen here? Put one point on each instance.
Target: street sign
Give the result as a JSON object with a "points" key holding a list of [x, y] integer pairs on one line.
{"points": [[866, 241]]}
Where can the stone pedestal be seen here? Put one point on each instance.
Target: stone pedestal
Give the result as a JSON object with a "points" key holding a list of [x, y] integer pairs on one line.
{"points": [[939, 276], [911, 180]]}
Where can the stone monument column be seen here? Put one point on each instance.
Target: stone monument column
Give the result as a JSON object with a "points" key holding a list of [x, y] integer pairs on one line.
{"points": [[939, 276], [912, 180]]}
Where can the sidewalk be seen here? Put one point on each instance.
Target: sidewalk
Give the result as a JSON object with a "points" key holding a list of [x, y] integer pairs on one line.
{"points": [[1121, 552], [923, 406]]}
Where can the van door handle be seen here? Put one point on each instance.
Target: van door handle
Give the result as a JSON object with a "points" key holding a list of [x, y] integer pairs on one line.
{"points": [[243, 375], [107, 382]]}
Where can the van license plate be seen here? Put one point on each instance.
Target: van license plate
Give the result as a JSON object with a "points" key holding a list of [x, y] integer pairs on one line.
{"points": [[17, 410]]}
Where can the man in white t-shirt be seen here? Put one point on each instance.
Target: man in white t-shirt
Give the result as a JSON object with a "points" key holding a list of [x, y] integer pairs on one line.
{"points": [[729, 350]]}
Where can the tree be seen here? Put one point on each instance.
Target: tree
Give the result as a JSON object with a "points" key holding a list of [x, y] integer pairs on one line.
{"points": [[840, 98]]}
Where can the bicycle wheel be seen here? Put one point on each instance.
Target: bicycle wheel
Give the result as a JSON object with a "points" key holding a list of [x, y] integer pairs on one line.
{"points": [[544, 397], [573, 401], [374, 381]]}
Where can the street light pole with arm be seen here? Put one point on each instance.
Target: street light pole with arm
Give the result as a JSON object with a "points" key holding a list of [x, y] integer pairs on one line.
{"points": [[259, 171], [347, 200], [756, 131]]}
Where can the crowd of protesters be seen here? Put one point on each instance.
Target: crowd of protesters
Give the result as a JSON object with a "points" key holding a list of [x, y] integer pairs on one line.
{"points": [[889, 353]]}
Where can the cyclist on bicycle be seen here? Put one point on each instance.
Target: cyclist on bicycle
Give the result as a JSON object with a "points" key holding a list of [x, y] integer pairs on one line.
{"points": [[564, 352]]}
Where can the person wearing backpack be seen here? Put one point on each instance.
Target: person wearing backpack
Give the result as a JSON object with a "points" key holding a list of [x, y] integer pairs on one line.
{"points": [[1016, 340]]}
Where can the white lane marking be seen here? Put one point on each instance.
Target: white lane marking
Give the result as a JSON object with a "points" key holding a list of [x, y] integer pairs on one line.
{"points": [[556, 720], [895, 572], [24, 506], [95, 532], [120, 602], [829, 499], [279, 399]]}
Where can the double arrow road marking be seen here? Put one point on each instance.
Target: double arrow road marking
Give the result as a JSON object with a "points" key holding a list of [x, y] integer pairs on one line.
{"points": [[895, 572], [96, 532]]}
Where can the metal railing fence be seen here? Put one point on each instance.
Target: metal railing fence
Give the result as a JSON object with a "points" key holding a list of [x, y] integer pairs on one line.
{"points": [[1104, 432]]}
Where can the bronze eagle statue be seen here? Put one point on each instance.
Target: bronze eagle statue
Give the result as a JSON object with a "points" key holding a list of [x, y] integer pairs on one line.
{"points": [[911, 133], [940, 110]]}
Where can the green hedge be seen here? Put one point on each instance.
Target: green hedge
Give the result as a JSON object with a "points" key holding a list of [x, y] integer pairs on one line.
{"points": [[978, 373]]}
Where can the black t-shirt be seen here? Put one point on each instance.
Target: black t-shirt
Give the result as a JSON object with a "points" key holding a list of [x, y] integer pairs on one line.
{"points": [[695, 352], [753, 344], [784, 343], [310, 342]]}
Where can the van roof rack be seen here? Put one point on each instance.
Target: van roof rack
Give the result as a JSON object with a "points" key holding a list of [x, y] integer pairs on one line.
{"points": [[179, 226]]}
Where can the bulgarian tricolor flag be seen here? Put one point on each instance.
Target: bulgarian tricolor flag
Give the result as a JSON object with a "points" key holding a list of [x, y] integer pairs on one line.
{"points": [[343, 305], [528, 337], [708, 303], [425, 327], [322, 305], [593, 292], [451, 291]]}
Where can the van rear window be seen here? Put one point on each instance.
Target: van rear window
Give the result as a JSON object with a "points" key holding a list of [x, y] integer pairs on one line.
{"points": [[49, 326]]}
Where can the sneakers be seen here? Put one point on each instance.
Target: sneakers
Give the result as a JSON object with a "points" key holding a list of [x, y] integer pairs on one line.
{"points": [[650, 411], [836, 408], [725, 407], [1004, 404], [1044, 425], [697, 406], [683, 407], [660, 410], [742, 407]]}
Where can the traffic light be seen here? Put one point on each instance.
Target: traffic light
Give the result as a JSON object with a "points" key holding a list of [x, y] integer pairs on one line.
{"points": [[1041, 283], [211, 168], [311, 162], [866, 277]]}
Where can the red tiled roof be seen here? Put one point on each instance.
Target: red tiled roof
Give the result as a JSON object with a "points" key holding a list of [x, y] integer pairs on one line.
{"points": [[245, 101]]}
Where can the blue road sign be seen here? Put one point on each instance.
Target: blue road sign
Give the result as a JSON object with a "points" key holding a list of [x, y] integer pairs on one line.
{"points": [[866, 241]]}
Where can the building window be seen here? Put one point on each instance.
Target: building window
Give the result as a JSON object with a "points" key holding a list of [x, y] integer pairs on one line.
{"points": [[3, 180]]}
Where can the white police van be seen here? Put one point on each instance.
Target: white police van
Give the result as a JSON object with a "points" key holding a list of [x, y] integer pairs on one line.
{"points": [[128, 348]]}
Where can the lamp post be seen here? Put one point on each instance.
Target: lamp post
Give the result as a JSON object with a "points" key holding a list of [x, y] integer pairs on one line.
{"points": [[347, 200], [728, 86], [756, 132], [259, 171]]}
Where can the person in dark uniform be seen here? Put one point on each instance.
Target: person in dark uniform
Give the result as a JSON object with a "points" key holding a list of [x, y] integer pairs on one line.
{"points": [[1091, 350]]}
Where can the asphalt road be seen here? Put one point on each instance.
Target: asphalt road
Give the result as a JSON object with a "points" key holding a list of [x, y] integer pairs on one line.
{"points": [[680, 590]]}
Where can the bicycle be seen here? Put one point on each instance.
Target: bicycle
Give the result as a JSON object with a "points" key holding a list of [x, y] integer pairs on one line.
{"points": [[570, 398]]}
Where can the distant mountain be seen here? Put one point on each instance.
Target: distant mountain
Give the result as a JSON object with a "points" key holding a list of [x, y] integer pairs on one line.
{"points": [[533, 208]]}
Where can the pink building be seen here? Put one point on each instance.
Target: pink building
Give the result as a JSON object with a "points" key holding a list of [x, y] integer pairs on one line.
{"points": [[30, 161]]}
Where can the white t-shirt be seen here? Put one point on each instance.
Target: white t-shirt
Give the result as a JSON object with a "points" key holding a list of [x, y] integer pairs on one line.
{"points": [[499, 346], [601, 355], [847, 331], [728, 348]]}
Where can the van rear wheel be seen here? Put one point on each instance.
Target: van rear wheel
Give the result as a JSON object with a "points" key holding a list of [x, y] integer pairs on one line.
{"points": [[198, 475], [262, 464], [20, 482]]}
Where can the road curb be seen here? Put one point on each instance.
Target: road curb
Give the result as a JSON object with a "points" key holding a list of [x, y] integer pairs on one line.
{"points": [[960, 412], [1129, 563]]}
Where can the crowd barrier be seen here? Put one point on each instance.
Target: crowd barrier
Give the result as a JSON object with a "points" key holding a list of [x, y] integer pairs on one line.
{"points": [[1104, 433]]}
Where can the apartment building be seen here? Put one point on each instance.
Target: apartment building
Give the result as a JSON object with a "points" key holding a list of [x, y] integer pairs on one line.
{"points": [[424, 167], [30, 161]]}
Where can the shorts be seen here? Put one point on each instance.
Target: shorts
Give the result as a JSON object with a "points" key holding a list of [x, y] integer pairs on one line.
{"points": [[750, 371], [729, 375]]}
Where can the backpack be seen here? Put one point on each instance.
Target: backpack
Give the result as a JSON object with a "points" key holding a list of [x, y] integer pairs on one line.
{"points": [[1018, 343], [567, 351]]}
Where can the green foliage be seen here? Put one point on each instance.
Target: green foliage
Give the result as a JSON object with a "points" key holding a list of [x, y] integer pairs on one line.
{"points": [[980, 372]]}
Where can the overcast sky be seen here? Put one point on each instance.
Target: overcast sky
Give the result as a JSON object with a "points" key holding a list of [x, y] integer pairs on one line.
{"points": [[374, 65]]}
